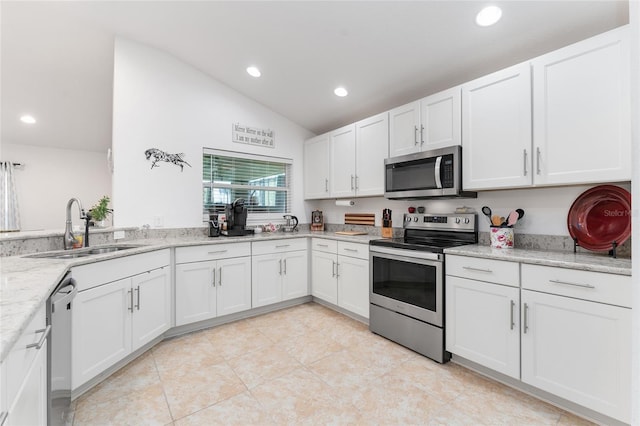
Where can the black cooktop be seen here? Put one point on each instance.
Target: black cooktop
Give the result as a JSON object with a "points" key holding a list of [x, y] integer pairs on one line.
{"points": [[433, 246]]}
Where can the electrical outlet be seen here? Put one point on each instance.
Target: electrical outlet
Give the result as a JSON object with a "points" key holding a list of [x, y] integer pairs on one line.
{"points": [[118, 235]]}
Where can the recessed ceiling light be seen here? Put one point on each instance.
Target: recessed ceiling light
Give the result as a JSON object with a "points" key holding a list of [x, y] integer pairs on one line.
{"points": [[254, 72], [488, 16], [28, 119], [341, 91]]}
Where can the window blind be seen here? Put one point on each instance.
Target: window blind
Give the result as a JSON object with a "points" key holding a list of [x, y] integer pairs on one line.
{"points": [[262, 181]]}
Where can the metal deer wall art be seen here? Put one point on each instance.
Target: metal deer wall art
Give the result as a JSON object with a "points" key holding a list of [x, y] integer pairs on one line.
{"points": [[159, 155]]}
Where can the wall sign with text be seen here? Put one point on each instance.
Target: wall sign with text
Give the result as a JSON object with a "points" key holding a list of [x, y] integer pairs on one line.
{"points": [[252, 135]]}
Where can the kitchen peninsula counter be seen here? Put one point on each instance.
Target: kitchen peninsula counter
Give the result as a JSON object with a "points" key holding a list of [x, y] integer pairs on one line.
{"points": [[27, 282]]}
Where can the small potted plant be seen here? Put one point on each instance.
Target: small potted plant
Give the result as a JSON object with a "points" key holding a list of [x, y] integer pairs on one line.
{"points": [[100, 211]]}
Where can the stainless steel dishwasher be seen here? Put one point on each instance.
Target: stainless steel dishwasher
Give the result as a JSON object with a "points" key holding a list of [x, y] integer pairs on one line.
{"points": [[59, 357]]}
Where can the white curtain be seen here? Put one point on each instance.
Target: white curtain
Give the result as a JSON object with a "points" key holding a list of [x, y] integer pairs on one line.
{"points": [[9, 216]]}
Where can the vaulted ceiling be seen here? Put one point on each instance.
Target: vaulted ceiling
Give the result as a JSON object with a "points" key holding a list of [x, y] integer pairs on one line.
{"points": [[57, 56]]}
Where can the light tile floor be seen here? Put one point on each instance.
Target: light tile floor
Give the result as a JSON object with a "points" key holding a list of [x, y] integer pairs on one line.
{"points": [[302, 365]]}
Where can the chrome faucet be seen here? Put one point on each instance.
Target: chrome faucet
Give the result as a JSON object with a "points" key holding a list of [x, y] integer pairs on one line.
{"points": [[69, 239]]}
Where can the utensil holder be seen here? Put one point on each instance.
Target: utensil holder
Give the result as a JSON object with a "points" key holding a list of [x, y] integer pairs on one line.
{"points": [[501, 237]]}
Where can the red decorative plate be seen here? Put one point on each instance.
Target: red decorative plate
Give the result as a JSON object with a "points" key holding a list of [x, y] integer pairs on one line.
{"points": [[600, 216]]}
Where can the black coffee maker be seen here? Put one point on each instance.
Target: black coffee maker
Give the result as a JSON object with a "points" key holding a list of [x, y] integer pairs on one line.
{"points": [[236, 216]]}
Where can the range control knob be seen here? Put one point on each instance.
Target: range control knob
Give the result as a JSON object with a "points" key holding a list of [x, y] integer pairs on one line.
{"points": [[457, 220], [466, 220], [415, 219], [407, 219]]}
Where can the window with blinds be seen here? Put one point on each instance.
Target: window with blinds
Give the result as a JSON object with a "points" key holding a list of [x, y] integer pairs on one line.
{"points": [[263, 182]]}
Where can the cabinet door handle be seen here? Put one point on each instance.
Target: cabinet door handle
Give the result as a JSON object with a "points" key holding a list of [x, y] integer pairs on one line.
{"points": [[337, 270], [220, 277], [421, 135], [130, 292], [217, 252], [470, 268], [213, 274], [280, 270], [415, 135], [323, 245], [283, 246], [45, 332], [285, 266], [138, 299], [350, 249], [326, 185], [537, 160], [573, 284], [525, 162], [352, 182], [357, 180], [526, 321], [513, 307], [333, 268]]}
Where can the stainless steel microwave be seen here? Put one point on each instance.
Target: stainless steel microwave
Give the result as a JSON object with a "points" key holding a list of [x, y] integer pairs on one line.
{"points": [[427, 174]]}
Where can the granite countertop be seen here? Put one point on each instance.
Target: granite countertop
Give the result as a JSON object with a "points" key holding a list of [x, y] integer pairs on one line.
{"points": [[26, 283], [582, 261]]}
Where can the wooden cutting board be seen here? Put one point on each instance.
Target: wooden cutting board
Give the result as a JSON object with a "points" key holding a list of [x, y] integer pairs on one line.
{"points": [[351, 233]]}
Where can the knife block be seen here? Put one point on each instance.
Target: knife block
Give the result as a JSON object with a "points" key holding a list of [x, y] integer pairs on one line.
{"points": [[387, 231]]}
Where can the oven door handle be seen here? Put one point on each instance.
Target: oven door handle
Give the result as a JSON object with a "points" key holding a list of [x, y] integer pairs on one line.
{"points": [[400, 254], [437, 172]]}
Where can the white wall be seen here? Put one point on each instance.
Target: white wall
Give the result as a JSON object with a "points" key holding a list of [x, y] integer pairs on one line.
{"points": [[634, 19], [161, 102], [545, 209], [52, 176]]}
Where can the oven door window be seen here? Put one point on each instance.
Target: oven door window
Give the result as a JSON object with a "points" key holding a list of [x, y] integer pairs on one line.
{"points": [[409, 282]]}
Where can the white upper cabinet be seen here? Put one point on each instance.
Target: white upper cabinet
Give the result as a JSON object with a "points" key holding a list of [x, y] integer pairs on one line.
{"points": [[430, 123], [574, 129], [342, 181], [316, 167], [372, 147], [582, 131], [404, 129], [440, 115], [496, 130], [355, 160]]}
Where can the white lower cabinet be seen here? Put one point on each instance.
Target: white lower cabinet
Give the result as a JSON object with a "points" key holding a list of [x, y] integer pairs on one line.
{"points": [[211, 288], [483, 323], [564, 331], [340, 274], [23, 381], [324, 284], [111, 320], [353, 285], [30, 406], [279, 270], [578, 350]]}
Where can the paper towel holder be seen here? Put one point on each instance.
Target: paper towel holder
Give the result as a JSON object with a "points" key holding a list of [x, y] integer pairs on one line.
{"points": [[345, 203]]}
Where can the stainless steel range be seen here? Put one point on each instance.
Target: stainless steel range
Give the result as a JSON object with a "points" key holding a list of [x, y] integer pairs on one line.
{"points": [[406, 290]]}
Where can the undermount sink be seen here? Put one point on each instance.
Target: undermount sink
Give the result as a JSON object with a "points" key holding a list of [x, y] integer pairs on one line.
{"points": [[102, 250], [83, 252]]}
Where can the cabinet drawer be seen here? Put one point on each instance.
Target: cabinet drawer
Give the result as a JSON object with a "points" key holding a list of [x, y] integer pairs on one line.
{"points": [[595, 286], [278, 246], [361, 251], [98, 273], [20, 358], [212, 252], [475, 268], [320, 244]]}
